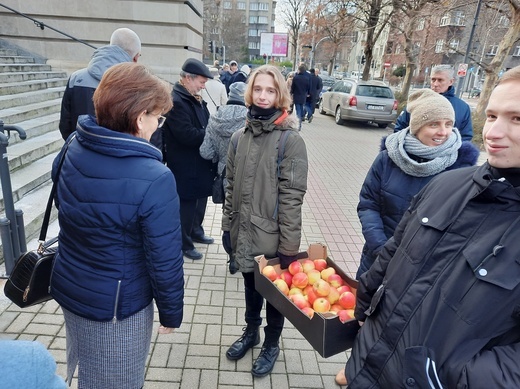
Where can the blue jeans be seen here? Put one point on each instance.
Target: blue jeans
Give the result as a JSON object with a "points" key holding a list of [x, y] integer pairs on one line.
{"points": [[309, 108], [300, 112]]}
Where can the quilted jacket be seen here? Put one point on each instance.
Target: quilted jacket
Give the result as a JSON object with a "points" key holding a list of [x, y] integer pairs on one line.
{"points": [[119, 239]]}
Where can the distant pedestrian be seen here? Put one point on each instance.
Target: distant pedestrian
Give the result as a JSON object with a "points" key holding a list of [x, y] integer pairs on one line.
{"points": [[314, 92], [214, 93], [300, 89], [240, 76], [226, 78], [125, 46], [442, 79]]}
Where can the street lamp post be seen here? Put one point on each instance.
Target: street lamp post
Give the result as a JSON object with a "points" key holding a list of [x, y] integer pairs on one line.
{"points": [[313, 50]]}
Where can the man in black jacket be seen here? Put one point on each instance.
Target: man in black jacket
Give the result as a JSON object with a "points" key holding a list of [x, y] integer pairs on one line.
{"points": [[441, 304], [314, 93], [300, 88], [184, 131]]}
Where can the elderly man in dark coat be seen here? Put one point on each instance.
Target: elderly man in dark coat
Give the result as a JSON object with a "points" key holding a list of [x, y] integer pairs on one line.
{"points": [[184, 132]]}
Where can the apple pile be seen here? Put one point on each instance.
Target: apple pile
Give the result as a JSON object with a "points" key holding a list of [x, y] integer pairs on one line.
{"points": [[313, 286]]}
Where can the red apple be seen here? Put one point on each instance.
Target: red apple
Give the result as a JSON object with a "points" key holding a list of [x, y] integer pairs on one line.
{"points": [[299, 301], [344, 288], [314, 275], [287, 277], [333, 295], [345, 315], [335, 308], [282, 285], [321, 288], [308, 311], [295, 290], [347, 300], [320, 264], [295, 267], [321, 304], [326, 273], [308, 264], [311, 295], [335, 280], [300, 280], [270, 272]]}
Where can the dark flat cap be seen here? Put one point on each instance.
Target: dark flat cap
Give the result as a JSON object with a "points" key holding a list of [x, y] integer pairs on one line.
{"points": [[194, 66]]}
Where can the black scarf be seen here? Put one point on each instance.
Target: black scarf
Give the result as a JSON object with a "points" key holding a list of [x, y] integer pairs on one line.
{"points": [[261, 113], [512, 175]]}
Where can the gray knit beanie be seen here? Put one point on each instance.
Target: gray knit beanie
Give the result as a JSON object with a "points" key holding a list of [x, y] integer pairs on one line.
{"points": [[236, 91], [426, 106]]}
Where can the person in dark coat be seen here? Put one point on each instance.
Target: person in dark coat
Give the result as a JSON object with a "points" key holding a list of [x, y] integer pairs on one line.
{"points": [[440, 305], [442, 79], [184, 132], [125, 46], [314, 93], [240, 76], [119, 241], [300, 88], [227, 74]]}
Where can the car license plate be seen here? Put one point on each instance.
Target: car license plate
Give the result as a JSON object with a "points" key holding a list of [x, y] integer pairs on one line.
{"points": [[375, 107]]}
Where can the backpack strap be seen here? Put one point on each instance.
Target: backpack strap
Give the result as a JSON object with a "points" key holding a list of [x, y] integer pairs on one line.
{"points": [[281, 149]]}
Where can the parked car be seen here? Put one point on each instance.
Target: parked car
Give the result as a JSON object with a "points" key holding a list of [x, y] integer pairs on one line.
{"points": [[362, 101], [327, 82]]}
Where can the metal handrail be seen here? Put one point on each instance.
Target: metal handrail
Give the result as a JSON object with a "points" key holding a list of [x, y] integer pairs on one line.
{"points": [[43, 25]]}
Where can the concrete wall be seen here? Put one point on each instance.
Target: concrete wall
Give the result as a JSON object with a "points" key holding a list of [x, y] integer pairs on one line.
{"points": [[165, 28]]}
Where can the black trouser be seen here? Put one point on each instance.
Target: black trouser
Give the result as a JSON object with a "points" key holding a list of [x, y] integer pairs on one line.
{"points": [[192, 215], [254, 302]]}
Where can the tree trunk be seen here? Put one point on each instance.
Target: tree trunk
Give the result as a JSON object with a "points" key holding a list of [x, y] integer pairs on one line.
{"points": [[409, 53], [497, 63]]}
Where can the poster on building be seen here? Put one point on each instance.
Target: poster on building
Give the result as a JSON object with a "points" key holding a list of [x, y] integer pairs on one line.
{"points": [[274, 44]]}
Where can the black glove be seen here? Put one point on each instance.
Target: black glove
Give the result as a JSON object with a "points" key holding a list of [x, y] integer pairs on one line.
{"points": [[286, 260], [226, 242]]}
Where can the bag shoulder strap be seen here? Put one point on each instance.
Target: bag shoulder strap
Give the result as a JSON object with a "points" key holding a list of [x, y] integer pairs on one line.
{"points": [[47, 216], [281, 148]]}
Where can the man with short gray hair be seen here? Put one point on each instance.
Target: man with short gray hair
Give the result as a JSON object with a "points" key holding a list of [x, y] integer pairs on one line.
{"points": [[442, 79], [125, 46]]}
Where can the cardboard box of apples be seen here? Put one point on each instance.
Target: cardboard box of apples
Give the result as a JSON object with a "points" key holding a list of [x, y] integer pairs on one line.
{"points": [[315, 295]]}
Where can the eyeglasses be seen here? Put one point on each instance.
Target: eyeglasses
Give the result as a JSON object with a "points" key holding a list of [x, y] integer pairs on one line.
{"points": [[160, 119]]}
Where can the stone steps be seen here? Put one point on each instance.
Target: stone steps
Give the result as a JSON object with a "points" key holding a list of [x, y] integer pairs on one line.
{"points": [[30, 97]]}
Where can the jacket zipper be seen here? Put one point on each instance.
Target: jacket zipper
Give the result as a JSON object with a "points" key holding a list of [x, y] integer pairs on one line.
{"points": [[114, 319]]}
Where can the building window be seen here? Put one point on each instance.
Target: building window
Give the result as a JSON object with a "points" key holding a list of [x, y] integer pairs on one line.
{"points": [[241, 5], [439, 46], [492, 50], [454, 45], [253, 6], [253, 32], [445, 20], [228, 5], [263, 6], [458, 18], [398, 49], [262, 20], [503, 21], [516, 53], [254, 45], [253, 19], [420, 24], [215, 31]]}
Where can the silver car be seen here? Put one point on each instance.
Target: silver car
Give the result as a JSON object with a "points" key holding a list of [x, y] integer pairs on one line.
{"points": [[362, 101]]}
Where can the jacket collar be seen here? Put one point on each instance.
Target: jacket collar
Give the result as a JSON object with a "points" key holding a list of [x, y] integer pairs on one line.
{"points": [[282, 120]]}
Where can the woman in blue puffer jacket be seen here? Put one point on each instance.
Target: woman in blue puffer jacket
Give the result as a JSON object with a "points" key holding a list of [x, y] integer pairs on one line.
{"points": [[120, 239]]}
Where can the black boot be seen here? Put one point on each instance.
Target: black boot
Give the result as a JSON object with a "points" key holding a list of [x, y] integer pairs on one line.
{"points": [[250, 338], [265, 362]]}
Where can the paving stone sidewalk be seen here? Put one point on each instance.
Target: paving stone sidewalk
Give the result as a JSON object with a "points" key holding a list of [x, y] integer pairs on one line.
{"points": [[194, 355]]}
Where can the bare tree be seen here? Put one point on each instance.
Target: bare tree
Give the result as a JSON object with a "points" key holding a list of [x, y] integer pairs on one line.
{"points": [[293, 17], [406, 14], [374, 16], [497, 63]]}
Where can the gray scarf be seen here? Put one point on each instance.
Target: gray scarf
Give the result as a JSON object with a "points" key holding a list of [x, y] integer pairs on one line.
{"points": [[403, 143]]}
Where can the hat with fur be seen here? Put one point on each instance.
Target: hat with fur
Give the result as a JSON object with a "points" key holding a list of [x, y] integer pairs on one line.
{"points": [[236, 91], [426, 106]]}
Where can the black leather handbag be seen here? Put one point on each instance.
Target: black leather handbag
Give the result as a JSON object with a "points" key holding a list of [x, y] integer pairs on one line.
{"points": [[29, 282]]}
